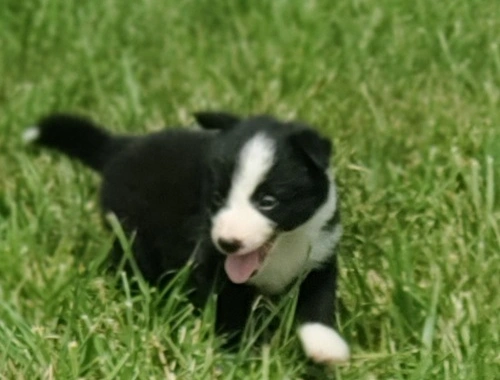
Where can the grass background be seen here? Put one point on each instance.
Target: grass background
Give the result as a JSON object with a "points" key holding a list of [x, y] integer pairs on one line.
{"points": [[408, 91]]}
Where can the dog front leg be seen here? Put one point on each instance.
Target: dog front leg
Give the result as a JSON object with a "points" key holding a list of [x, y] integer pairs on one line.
{"points": [[316, 314], [234, 304]]}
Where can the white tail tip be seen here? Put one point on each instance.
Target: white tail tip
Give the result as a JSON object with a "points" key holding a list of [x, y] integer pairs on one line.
{"points": [[31, 134]]}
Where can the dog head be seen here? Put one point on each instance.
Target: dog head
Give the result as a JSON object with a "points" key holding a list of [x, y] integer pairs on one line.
{"points": [[265, 177]]}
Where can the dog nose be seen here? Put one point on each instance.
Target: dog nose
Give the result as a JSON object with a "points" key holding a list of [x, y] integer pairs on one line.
{"points": [[229, 245]]}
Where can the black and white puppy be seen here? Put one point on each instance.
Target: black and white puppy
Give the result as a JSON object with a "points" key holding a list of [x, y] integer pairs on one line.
{"points": [[254, 196]]}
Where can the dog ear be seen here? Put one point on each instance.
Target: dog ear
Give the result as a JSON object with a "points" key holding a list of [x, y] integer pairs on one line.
{"points": [[216, 120], [315, 147]]}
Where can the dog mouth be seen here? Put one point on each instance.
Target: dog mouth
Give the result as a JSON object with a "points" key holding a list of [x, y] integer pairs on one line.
{"points": [[240, 268]]}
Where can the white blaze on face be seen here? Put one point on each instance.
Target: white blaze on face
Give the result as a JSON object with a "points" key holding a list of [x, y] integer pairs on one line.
{"points": [[239, 219]]}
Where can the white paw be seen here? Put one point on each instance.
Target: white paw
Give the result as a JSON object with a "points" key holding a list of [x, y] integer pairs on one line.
{"points": [[323, 344]]}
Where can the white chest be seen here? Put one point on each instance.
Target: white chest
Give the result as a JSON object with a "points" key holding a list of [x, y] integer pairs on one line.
{"points": [[294, 254], [300, 250]]}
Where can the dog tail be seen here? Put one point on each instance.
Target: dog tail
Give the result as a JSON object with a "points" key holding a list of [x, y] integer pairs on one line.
{"points": [[77, 137]]}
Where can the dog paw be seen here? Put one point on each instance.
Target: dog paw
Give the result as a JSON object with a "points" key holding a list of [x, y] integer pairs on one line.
{"points": [[323, 344]]}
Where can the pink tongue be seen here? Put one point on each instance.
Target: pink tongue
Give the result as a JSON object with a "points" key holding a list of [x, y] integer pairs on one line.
{"points": [[239, 268]]}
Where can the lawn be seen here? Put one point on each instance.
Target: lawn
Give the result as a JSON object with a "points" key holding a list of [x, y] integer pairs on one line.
{"points": [[408, 91]]}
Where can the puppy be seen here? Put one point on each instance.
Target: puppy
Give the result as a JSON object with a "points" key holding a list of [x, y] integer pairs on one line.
{"points": [[253, 196]]}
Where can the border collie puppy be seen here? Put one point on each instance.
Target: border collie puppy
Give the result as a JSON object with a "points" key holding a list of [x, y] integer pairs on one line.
{"points": [[253, 196]]}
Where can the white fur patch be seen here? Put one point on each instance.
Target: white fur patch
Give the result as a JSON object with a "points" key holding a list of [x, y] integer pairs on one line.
{"points": [[323, 344], [300, 250], [31, 134], [239, 219], [323, 241], [256, 158]]}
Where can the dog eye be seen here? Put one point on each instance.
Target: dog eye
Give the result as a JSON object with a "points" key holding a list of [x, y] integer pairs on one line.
{"points": [[267, 202]]}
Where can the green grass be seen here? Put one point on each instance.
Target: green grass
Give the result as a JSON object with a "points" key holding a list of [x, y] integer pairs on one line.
{"points": [[408, 91]]}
